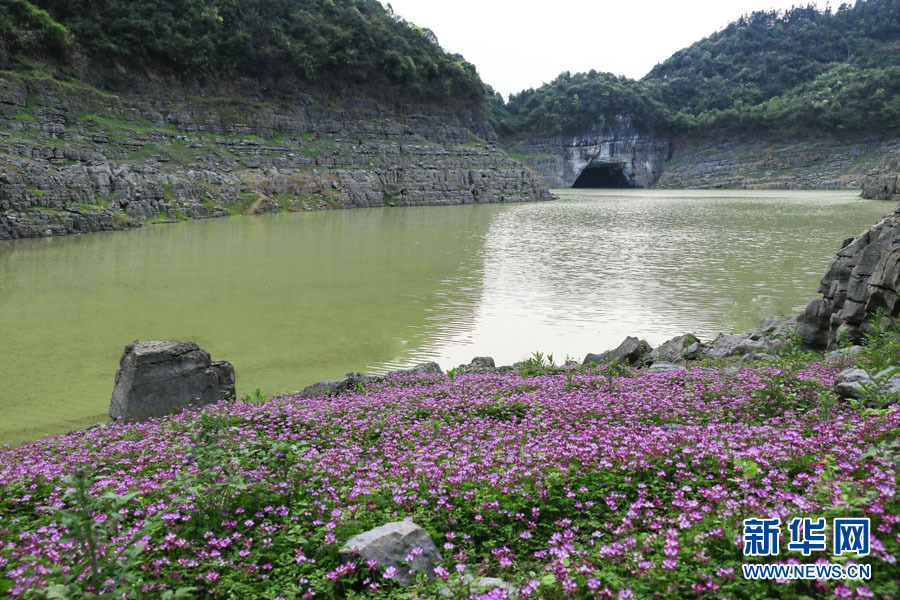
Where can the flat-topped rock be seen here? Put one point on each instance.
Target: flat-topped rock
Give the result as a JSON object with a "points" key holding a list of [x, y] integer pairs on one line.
{"points": [[159, 378]]}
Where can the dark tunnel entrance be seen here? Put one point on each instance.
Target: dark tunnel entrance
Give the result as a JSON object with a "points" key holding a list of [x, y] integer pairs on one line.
{"points": [[602, 176]]}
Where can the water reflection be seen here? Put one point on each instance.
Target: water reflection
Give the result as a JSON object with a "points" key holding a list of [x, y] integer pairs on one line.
{"points": [[579, 275]]}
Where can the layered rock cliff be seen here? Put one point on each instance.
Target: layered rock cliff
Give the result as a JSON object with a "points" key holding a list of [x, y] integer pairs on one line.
{"points": [[862, 280], [882, 182], [625, 157], [812, 163], [76, 159], [600, 157]]}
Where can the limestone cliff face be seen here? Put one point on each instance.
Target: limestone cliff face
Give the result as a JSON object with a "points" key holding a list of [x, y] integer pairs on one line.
{"points": [[882, 182], [75, 159], [863, 278], [624, 157], [621, 155], [747, 163]]}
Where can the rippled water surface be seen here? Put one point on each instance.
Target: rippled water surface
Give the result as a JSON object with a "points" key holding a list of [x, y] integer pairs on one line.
{"points": [[294, 298]]}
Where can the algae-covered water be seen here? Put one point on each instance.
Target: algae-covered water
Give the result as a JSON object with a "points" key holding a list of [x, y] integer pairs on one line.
{"points": [[290, 299]]}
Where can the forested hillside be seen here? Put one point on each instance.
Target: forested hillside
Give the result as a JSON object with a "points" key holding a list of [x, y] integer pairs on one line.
{"points": [[800, 71], [324, 43]]}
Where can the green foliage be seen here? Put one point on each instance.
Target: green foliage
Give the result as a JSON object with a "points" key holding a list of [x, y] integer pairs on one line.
{"points": [[581, 101], [26, 28], [216, 486], [881, 344], [801, 71], [322, 42], [537, 364], [502, 411]]}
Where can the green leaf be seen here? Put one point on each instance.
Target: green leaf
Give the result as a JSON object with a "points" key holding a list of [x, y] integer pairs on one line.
{"points": [[750, 468]]}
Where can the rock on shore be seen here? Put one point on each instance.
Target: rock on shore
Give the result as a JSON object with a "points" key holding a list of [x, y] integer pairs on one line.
{"points": [[159, 378], [863, 278]]}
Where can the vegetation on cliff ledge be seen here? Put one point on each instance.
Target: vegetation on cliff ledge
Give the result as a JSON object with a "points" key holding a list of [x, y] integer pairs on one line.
{"points": [[322, 43], [799, 71], [567, 482]]}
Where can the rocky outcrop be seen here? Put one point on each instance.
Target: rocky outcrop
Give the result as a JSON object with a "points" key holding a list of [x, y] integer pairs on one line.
{"points": [[863, 279], [159, 378], [351, 381], [741, 163], [674, 350], [631, 351], [620, 155], [624, 157], [333, 387], [882, 182], [74, 159]]}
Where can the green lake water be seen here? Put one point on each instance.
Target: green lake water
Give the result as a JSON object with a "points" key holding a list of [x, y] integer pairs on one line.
{"points": [[291, 299]]}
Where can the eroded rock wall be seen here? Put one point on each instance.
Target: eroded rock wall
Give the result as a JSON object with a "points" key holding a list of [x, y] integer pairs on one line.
{"points": [[863, 279], [882, 182], [740, 163], [561, 159], [75, 159]]}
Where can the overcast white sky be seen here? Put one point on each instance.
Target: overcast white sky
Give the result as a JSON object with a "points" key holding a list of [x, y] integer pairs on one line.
{"points": [[518, 44]]}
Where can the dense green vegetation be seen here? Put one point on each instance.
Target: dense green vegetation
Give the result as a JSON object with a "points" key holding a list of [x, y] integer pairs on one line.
{"points": [[26, 28], [803, 70], [324, 43]]}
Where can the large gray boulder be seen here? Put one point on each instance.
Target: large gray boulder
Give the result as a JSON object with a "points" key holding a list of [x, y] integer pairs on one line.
{"points": [[159, 378], [390, 544], [630, 352]]}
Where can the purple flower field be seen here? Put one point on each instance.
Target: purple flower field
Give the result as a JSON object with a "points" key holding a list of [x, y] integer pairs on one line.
{"points": [[577, 483]]}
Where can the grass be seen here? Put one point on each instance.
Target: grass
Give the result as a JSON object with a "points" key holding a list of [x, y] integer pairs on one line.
{"points": [[243, 205]]}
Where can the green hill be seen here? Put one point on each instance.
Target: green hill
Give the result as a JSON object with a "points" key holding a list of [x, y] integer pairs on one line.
{"points": [[800, 71], [328, 44]]}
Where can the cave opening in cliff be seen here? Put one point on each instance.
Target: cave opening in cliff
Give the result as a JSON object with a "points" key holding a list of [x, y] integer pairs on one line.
{"points": [[602, 176]]}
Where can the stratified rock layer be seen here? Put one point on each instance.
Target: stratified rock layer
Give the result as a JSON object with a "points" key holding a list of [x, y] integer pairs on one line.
{"points": [[882, 182], [637, 158], [863, 279], [159, 378], [75, 159], [813, 163]]}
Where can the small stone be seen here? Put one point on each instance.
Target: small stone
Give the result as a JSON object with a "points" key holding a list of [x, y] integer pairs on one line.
{"points": [[477, 584], [663, 367], [840, 353], [852, 383]]}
